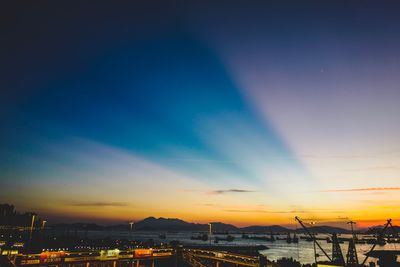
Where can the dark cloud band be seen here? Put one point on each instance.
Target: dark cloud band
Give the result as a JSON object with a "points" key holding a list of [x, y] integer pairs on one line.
{"points": [[231, 191], [100, 204]]}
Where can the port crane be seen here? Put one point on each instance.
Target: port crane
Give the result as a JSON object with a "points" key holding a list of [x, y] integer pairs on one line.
{"points": [[313, 238], [337, 258], [380, 237]]}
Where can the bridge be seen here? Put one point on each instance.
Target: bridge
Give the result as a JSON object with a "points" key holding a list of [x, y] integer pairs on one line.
{"points": [[139, 258]]}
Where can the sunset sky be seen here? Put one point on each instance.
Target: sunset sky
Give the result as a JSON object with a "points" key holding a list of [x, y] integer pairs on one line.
{"points": [[241, 112]]}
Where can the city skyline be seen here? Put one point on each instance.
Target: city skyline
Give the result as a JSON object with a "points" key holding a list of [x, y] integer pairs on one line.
{"points": [[244, 114]]}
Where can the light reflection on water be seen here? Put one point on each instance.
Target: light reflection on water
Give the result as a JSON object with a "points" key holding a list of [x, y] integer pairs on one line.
{"points": [[302, 251]]}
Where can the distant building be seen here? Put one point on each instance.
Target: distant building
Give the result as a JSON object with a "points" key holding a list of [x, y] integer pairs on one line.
{"points": [[7, 210], [10, 217]]}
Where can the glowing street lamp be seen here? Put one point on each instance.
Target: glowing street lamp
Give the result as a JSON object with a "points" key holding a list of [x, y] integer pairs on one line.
{"points": [[210, 231], [33, 222], [43, 224]]}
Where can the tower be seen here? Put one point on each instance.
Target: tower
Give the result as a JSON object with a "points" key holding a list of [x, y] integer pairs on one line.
{"points": [[337, 255], [351, 257]]}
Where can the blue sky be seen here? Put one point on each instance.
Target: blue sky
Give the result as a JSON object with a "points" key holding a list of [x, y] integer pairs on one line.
{"points": [[282, 103]]}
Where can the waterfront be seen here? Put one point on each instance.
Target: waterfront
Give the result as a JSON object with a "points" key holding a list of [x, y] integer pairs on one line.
{"points": [[302, 251]]}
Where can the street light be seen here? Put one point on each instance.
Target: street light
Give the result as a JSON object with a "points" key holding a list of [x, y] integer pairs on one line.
{"points": [[210, 231], [43, 223], [131, 224], [33, 222]]}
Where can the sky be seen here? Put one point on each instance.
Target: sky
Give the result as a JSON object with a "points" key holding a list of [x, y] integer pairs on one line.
{"points": [[241, 112]]}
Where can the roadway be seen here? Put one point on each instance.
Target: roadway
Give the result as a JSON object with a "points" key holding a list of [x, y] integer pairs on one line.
{"points": [[139, 257]]}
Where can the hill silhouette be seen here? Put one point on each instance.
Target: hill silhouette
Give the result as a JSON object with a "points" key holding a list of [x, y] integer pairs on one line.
{"points": [[175, 225]]}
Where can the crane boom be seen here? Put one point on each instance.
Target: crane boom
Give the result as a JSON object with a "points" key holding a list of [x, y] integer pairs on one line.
{"points": [[312, 237], [389, 222]]}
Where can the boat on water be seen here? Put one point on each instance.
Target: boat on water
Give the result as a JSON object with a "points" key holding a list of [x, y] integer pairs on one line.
{"points": [[202, 237], [295, 239], [288, 239], [272, 238], [261, 238], [228, 238]]}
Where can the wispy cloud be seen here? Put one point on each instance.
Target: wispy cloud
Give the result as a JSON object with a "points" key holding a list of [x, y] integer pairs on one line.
{"points": [[353, 156], [367, 189], [327, 219], [374, 168], [218, 192], [244, 211], [266, 211], [100, 204]]}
